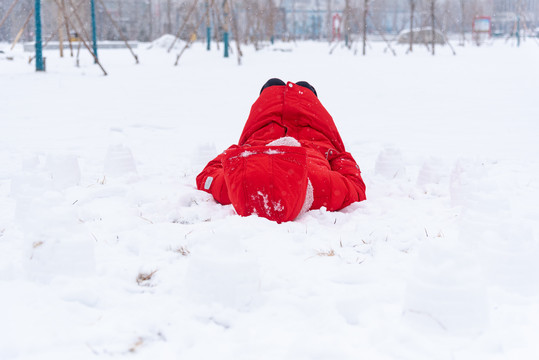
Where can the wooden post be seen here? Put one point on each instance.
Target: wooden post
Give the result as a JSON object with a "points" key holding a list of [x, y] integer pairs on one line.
{"points": [[8, 12], [382, 35], [82, 34], [118, 30], [19, 34], [61, 8], [191, 10], [191, 39], [62, 4]]}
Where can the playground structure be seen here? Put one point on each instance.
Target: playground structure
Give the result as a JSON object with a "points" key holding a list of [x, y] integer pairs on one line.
{"points": [[70, 26], [76, 26], [520, 26], [516, 25], [80, 23], [229, 22]]}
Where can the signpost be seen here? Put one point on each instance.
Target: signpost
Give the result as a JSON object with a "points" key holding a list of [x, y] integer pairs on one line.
{"points": [[481, 28], [336, 27]]}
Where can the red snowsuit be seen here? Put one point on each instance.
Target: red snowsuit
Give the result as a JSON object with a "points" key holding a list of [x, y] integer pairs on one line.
{"points": [[274, 181]]}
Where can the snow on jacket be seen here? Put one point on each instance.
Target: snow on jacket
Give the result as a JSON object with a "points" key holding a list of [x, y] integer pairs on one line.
{"points": [[270, 176]]}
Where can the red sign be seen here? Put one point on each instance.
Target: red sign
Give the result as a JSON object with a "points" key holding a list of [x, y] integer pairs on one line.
{"points": [[482, 24], [336, 27]]}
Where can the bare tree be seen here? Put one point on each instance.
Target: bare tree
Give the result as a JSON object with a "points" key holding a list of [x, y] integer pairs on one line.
{"points": [[346, 23], [329, 20], [462, 23], [412, 11], [365, 14], [271, 19], [433, 23], [168, 27]]}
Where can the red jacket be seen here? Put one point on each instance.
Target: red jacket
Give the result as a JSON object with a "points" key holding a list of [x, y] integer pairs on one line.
{"points": [[275, 181]]}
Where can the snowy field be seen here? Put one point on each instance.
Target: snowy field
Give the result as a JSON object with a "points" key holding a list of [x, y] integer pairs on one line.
{"points": [[107, 250]]}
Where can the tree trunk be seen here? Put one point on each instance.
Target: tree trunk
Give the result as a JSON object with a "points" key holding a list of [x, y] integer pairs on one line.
{"points": [[365, 13], [412, 10], [329, 22], [462, 22], [432, 22], [271, 21], [150, 20], [169, 16], [346, 23]]}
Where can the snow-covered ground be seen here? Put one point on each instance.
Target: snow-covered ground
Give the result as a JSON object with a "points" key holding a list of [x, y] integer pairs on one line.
{"points": [[108, 250]]}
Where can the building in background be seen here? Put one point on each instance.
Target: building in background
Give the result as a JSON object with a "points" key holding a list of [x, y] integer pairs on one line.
{"points": [[510, 15]]}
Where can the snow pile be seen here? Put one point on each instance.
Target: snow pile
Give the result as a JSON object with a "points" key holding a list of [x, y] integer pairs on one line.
{"points": [[430, 173], [390, 163], [119, 161], [53, 240], [165, 41]]}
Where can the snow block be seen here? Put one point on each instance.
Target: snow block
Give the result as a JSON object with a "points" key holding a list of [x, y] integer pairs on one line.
{"points": [[430, 172], [65, 170], [390, 164], [119, 161]]}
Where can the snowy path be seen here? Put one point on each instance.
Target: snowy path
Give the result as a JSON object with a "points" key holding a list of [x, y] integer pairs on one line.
{"points": [[107, 250]]}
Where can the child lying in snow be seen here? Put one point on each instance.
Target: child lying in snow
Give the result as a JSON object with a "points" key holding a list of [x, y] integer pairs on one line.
{"points": [[290, 158]]}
